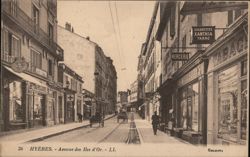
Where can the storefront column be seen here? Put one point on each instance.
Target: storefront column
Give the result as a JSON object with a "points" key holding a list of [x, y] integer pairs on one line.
{"points": [[204, 101], [6, 99], [210, 109], [24, 100]]}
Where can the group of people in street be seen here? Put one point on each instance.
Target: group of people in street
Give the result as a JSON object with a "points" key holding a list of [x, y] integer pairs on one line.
{"points": [[155, 120]]}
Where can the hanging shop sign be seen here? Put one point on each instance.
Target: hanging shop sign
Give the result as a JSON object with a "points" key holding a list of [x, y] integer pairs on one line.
{"points": [[183, 56], [203, 34], [19, 65], [210, 7]]}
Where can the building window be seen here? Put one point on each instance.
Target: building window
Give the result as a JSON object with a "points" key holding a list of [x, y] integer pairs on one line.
{"points": [[184, 46], [14, 7], [234, 15], [15, 47], [229, 17], [244, 68], [50, 67], [6, 42], [12, 46], [36, 59], [172, 21], [36, 17], [16, 105], [237, 13], [50, 31]]}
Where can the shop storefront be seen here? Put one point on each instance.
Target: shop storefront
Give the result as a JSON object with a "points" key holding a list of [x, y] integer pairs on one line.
{"points": [[69, 106], [55, 104], [166, 92], [190, 101], [227, 92], [36, 100], [23, 100]]}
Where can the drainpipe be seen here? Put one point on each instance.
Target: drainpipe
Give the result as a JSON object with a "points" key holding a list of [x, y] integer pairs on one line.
{"points": [[178, 49], [204, 92]]}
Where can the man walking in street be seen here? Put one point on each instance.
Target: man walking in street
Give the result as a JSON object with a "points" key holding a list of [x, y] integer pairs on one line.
{"points": [[155, 121]]}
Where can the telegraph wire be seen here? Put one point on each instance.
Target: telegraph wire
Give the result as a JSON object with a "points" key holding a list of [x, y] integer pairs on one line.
{"points": [[117, 45], [119, 31], [122, 52]]}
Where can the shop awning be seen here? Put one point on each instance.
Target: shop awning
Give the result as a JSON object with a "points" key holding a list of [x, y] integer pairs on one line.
{"points": [[25, 77], [211, 7]]}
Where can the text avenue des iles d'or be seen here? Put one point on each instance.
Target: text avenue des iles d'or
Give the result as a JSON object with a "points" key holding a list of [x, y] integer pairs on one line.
{"points": [[70, 149]]}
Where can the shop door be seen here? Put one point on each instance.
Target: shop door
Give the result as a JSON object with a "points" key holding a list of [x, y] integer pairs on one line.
{"points": [[39, 110], [60, 108]]}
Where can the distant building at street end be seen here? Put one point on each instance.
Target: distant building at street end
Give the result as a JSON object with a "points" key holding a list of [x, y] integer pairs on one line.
{"points": [[122, 100], [89, 61], [133, 95]]}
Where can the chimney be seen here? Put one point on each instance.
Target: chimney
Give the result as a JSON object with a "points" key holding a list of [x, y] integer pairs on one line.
{"points": [[68, 26], [87, 37]]}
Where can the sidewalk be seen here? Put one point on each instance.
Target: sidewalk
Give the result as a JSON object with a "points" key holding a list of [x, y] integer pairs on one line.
{"points": [[147, 136], [33, 135]]}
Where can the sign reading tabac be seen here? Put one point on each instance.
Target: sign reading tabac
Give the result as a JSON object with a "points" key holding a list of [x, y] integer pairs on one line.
{"points": [[203, 34]]}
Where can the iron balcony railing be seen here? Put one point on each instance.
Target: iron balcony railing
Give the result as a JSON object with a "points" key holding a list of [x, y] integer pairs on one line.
{"points": [[7, 58], [18, 16]]}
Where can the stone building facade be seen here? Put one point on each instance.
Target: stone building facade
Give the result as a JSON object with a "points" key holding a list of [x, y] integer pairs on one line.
{"points": [[31, 93]]}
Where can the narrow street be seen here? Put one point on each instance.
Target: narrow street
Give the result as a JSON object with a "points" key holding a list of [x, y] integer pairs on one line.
{"points": [[111, 132]]}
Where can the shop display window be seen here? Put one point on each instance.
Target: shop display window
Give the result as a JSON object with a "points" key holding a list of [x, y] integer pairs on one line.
{"points": [[195, 106], [51, 109], [243, 109], [228, 102], [189, 118], [37, 114], [243, 117], [15, 102], [184, 114]]}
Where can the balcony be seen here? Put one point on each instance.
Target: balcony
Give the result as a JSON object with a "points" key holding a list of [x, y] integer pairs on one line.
{"points": [[14, 14], [7, 58]]}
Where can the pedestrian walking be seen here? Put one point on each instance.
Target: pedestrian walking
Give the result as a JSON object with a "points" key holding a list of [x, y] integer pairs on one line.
{"points": [[79, 117], [155, 122]]}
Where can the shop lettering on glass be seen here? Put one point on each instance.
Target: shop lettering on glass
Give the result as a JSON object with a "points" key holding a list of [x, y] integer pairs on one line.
{"points": [[203, 35], [235, 46]]}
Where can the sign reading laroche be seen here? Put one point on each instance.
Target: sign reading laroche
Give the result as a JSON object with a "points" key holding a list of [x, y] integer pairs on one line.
{"points": [[180, 56], [203, 35]]}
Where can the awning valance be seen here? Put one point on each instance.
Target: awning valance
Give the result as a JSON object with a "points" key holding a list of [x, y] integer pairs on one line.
{"points": [[26, 77]]}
